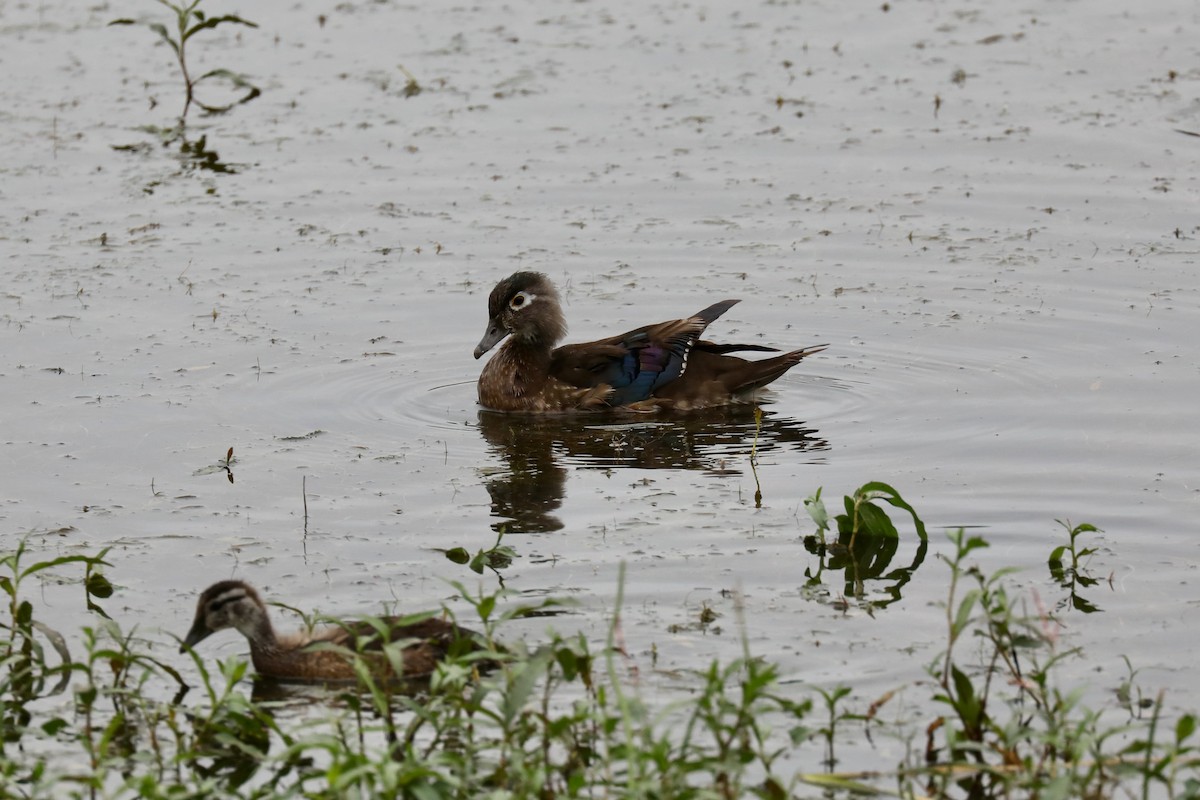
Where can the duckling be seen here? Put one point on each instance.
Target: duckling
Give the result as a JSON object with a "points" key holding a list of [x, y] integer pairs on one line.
{"points": [[663, 367], [235, 604]]}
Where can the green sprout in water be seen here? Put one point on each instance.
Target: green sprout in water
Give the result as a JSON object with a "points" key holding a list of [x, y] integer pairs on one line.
{"points": [[1071, 574], [497, 557], [865, 544], [189, 21]]}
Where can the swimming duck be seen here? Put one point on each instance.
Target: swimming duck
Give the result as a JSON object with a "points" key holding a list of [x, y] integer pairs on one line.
{"points": [[663, 367], [235, 604]]}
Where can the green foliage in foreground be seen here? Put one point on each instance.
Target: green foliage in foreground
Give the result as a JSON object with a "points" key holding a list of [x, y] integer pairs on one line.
{"points": [[568, 720]]}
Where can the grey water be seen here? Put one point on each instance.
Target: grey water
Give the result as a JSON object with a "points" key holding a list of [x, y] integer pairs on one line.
{"points": [[988, 210]]}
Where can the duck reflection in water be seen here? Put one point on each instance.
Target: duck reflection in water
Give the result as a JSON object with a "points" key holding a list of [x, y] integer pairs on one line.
{"points": [[537, 452]]}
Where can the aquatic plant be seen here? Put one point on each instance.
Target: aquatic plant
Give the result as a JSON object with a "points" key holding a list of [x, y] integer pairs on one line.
{"points": [[866, 543], [863, 515], [1074, 575], [497, 557], [190, 20], [1010, 729]]}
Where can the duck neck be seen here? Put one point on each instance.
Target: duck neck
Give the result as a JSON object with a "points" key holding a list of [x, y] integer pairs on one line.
{"points": [[526, 361], [264, 644], [545, 329]]}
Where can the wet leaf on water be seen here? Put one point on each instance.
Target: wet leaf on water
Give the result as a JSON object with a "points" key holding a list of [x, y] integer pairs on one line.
{"points": [[1184, 728], [99, 586], [52, 726]]}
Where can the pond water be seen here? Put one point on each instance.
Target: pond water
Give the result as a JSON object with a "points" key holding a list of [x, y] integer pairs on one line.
{"points": [[989, 211]]}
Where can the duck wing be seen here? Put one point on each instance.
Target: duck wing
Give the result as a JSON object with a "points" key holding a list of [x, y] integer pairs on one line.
{"points": [[716, 376], [427, 642], [638, 363]]}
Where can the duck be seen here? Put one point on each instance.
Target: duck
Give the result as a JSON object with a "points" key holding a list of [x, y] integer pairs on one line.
{"points": [[661, 367], [299, 657]]}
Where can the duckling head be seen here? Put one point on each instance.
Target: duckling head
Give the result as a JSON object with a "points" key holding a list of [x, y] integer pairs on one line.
{"points": [[227, 604]]}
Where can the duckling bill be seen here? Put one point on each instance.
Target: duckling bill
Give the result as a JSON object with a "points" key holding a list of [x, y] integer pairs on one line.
{"points": [[236, 604], [661, 367]]}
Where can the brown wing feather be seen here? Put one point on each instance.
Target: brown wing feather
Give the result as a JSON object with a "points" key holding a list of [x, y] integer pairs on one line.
{"points": [[298, 659], [582, 364], [712, 376]]}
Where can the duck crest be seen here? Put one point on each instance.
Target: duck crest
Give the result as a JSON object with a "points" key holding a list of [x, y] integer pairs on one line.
{"points": [[659, 367]]}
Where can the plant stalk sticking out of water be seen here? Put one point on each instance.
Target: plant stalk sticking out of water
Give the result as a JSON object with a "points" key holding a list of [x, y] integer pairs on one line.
{"points": [[189, 21], [758, 417]]}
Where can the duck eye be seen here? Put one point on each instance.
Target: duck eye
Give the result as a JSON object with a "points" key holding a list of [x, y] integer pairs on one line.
{"points": [[520, 300]]}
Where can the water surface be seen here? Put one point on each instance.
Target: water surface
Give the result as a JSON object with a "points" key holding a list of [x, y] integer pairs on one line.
{"points": [[987, 211]]}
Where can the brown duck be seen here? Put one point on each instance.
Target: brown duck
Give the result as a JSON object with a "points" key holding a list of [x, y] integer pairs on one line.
{"points": [[665, 367], [235, 604]]}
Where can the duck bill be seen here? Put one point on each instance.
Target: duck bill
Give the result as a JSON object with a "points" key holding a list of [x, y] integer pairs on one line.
{"points": [[197, 634], [495, 333]]}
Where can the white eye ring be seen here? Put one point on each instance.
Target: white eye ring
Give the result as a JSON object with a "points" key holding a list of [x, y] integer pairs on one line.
{"points": [[521, 299]]}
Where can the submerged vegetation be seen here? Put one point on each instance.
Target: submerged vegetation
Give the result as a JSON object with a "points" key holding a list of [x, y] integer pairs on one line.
{"points": [[572, 718]]}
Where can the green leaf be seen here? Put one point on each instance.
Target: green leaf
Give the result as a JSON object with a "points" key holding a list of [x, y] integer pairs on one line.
{"points": [[238, 80], [844, 783], [520, 688], [1140, 746], [567, 662], [98, 586], [816, 509], [1184, 728], [893, 497], [57, 562], [963, 617], [500, 557], [161, 30], [974, 543], [1055, 564], [965, 701], [458, 555], [54, 725], [875, 521], [212, 22], [1026, 642]]}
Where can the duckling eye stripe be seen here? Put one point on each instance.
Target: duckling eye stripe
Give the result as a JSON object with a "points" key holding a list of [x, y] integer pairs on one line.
{"points": [[226, 599]]}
